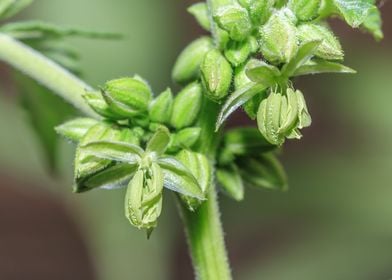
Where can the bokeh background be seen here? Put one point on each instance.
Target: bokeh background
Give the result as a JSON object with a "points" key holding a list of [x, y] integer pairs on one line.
{"points": [[335, 223]]}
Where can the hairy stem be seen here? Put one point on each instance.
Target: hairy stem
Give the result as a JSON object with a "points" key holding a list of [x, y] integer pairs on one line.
{"points": [[203, 227], [45, 71]]}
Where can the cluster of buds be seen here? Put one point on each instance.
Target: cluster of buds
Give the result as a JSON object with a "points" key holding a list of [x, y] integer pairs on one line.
{"points": [[257, 47]]}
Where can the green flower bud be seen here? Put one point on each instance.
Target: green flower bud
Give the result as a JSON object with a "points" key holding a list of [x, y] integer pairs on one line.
{"points": [[99, 105], [186, 106], [278, 42], [74, 130], [143, 200], [188, 63], [216, 74], [329, 48], [200, 167], [305, 10], [127, 96], [254, 45], [200, 12], [230, 180], [238, 52], [235, 20], [186, 138], [161, 107], [259, 10], [305, 120]]}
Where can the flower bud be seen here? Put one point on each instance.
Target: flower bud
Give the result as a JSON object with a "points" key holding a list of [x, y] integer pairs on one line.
{"points": [[235, 20], [237, 52], [161, 107], [216, 74], [278, 42], [329, 48], [259, 10], [75, 129], [305, 10], [200, 168], [187, 65], [186, 138], [127, 96], [186, 106]]}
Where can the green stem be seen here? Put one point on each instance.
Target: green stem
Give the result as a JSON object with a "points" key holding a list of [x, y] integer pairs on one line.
{"points": [[203, 227], [45, 71]]}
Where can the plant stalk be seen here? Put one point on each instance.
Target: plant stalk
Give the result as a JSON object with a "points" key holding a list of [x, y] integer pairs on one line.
{"points": [[203, 227], [46, 72]]}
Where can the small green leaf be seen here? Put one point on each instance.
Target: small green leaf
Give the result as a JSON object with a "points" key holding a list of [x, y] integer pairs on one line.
{"points": [[305, 10], [42, 30], [159, 141], [178, 178], [9, 8], [262, 73], [113, 150], [236, 100], [303, 55], [354, 12], [263, 171], [373, 23], [95, 100], [75, 129], [186, 137], [230, 180], [200, 12], [322, 66], [113, 177]]}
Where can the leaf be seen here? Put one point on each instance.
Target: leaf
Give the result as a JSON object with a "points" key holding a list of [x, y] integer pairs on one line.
{"points": [[42, 30], [178, 178], [322, 66], [303, 55], [9, 8], [243, 141], [114, 150], [373, 23], [263, 171], [159, 141], [236, 99], [113, 177], [44, 111], [200, 12], [354, 12], [75, 129], [231, 182], [263, 73]]}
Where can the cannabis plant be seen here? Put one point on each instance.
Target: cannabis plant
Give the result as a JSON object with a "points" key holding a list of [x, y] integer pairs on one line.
{"points": [[152, 143]]}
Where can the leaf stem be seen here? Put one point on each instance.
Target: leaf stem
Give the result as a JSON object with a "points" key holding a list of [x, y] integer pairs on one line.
{"points": [[203, 227], [45, 71]]}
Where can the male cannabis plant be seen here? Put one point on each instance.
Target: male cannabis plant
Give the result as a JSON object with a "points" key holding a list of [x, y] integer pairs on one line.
{"points": [[146, 142]]}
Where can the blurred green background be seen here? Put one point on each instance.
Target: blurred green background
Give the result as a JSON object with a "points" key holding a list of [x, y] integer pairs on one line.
{"points": [[335, 223]]}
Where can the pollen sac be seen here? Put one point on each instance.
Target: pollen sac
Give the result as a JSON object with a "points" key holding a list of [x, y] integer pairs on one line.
{"points": [[143, 200], [305, 10], [96, 101], [186, 106], [235, 20], [127, 97], [259, 10], [282, 115], [161, 108], [278, 38], [187, 66], [329, 48], [216, 74], [186, 137]]}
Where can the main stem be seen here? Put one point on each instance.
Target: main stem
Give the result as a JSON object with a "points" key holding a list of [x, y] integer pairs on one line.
{"points": [[45, 71], [203, 227]]}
